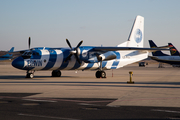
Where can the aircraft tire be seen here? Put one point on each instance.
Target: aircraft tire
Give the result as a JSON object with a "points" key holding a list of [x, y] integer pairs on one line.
{"points": [[29, 75], [100, 74], [56, 73], [103, 74]]}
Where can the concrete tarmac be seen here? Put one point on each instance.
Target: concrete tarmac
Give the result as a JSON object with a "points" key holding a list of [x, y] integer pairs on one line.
{"points": [[153, 88]]}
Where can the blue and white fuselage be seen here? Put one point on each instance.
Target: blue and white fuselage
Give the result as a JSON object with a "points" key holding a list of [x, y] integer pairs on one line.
{"points": [[54, 59], [86, 57]]}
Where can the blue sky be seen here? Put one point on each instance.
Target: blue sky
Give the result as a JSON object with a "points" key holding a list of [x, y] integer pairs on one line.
{"points": [[96, 22]]}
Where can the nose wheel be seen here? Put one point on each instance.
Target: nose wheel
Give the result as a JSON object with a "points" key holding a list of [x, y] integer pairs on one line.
{"points": [[30, 74], [100, 74]]}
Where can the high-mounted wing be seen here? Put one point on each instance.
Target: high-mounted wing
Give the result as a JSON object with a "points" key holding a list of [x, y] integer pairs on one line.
{"points": [[126, 48]]}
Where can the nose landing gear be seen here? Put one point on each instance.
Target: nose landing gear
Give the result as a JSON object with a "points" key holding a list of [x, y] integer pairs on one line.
{"points": [[30, 74]]}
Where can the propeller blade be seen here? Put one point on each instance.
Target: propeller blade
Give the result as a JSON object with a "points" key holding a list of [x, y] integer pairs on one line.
{"points": [[29, 43], [68, 43], [77, 58], [68, 58], [79, 44]]}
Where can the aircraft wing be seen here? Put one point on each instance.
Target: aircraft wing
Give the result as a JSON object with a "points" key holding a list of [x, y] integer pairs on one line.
{"points": [[18, 52], [164, 46], [126, 48], [38, 48]]}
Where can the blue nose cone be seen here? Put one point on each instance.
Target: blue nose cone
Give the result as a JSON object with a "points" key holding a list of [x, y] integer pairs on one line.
{"points": [[18, 63]]}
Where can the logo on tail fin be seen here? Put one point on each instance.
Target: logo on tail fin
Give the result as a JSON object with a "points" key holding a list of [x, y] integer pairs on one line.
{"points": [[138, 36], [172, 50]]}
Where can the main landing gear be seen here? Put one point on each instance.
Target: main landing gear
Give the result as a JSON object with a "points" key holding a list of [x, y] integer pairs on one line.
{"points": [[56, 73], [100, 73]]}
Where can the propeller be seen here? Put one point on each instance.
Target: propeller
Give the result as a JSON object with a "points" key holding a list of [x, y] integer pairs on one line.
{"points": [[27, 53], [29, 43], [73, 51]]}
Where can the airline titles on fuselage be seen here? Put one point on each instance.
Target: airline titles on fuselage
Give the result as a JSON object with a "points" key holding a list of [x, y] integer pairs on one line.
{"points": [[33, 63]]}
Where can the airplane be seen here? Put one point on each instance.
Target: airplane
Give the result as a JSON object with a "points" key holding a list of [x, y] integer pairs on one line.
{"points": [[173, 59], [85, 57], [8, 55]]}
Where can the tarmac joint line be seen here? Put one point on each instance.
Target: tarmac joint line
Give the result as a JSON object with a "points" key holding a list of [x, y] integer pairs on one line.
{"points": [[42, 116]]}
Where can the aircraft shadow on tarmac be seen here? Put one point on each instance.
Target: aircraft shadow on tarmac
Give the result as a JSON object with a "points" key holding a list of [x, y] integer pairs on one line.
{"points": [[120, 84], [18, 77], [87, 83]]}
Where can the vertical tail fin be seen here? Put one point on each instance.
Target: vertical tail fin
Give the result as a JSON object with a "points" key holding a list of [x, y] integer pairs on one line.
{"points": [[11, 50], [156, 53], [136, 36], [173, 50]]}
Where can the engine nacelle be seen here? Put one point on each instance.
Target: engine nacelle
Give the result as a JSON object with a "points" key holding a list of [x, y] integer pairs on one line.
{"points": [[106, 56], [101, 57]]}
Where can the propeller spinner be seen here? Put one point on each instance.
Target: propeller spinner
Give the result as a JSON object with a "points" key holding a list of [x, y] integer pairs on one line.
{"points": [[73, 51]]}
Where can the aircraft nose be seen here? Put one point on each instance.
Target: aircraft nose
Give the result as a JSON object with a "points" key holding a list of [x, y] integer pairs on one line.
{"points": [[18, 63]]}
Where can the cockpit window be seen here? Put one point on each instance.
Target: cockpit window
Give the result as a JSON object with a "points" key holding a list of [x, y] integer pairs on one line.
{"points": [[35, 53], [27, 55]]}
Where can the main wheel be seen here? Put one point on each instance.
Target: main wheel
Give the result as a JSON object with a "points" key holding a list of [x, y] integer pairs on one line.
{"points": [[100, 74], [103, 74], [56, 73]]}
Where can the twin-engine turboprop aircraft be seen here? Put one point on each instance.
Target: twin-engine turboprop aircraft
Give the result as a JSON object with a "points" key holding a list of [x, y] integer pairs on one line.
{"points": [[86, 57]]}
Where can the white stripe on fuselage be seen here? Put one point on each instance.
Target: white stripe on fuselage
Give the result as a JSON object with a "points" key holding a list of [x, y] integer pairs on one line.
{"points": [[85, 65], [59, 60], [109, 64], [71, 63]]}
